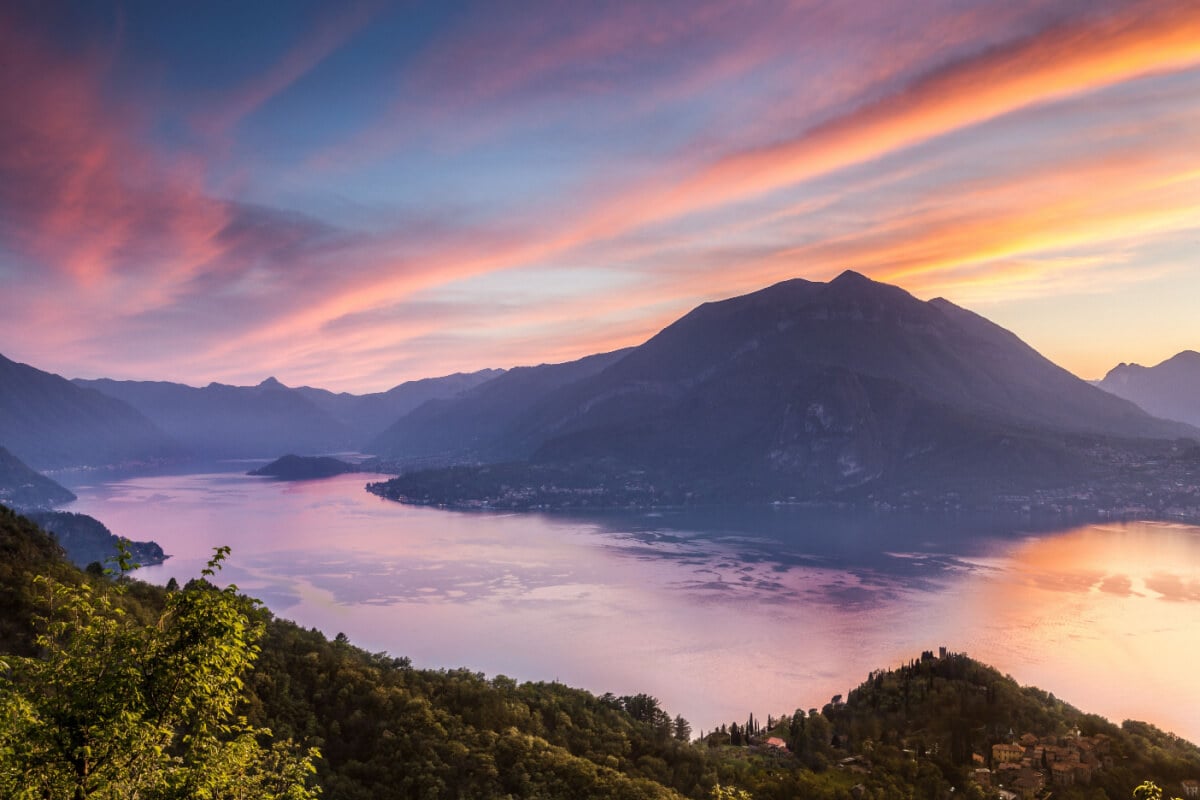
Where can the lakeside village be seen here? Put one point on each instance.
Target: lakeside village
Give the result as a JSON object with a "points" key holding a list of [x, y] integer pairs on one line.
{"points": [[1017, 766], [1163, 484], [1030, 767], [1025, 768]]}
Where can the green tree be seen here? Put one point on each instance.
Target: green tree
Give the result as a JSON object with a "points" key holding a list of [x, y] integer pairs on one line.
{"points": [[1148, 790], [683, 729], [111, 708], [720, 792]]}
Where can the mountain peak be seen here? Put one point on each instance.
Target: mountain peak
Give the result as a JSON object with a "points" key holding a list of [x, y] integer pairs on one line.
{"points": [[1168, 390], [1184, 358], [859, 291], [851, 278], [271, 383]]}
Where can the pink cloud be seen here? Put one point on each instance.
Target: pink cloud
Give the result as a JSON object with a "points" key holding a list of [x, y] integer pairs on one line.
{"points": [[80, 193]]}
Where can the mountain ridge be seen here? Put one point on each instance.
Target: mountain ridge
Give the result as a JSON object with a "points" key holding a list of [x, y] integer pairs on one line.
{"points": [[48, 422], [804, 389], [270, 418], [24, 488], [1170, 389]]}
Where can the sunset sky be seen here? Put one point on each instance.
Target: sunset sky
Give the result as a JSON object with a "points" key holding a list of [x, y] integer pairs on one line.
{"points": [[351, 195]]}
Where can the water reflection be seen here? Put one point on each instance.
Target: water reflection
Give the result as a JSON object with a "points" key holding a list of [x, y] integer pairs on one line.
{"points": [[715, 612], [1106, 616]]}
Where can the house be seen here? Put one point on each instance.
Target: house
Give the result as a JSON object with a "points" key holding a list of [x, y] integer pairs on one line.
{"points": [[1191, 788], [776, 743], [1029, 784], [1004, 753], [983, 777], [1062, 774]]}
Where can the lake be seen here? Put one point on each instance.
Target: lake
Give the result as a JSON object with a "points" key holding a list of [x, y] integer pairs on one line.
{"points": [[717, 612]]}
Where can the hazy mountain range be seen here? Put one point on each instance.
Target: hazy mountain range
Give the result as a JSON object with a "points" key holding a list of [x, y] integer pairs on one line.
{"points": [[478, 424], [49, 422], [271, 419], [1170, 390], [799, 389]]}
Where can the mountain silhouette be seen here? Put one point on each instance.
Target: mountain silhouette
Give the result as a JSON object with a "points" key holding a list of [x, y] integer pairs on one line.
{"points": [[269, 419], [1170, 390], [48, 422], [798, 388]]}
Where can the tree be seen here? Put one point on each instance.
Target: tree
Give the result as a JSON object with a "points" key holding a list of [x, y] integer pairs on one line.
{"points": [[1148, 790], [645, 708], [683, 729], [111, 708]]}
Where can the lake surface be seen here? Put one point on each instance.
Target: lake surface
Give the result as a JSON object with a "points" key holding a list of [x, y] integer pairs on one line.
{"points": [[716, 613]]}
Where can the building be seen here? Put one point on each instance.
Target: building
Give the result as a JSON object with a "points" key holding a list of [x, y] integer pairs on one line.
{"points": [[1191, 788], [1062, 773], [1029, 784], [1006, 753]]}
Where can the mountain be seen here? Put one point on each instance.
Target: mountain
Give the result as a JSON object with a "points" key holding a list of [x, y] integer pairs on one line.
{"points": [[803, 389], [48, 422], [225, 421], [21, 487], [367, 415], [471, 426], [1170, 390], [232, 421]]}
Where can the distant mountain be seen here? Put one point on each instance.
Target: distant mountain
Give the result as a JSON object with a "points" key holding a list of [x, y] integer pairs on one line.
{"points": [[472, 426], [303, 468], [1170, 390], [225, 421], [48, 422], [800, 389], [366, 416], [22, 488], [232, 421]]}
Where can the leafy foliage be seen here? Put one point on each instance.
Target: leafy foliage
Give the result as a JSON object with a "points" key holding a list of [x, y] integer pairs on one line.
{"points": [[113, 708], [387, 730]]}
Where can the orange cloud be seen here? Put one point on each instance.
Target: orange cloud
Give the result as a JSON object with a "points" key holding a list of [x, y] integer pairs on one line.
{"points": [[1049, 66]]}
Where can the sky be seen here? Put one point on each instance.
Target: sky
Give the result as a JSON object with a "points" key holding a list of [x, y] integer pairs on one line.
{"points": [[354, 194]]}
